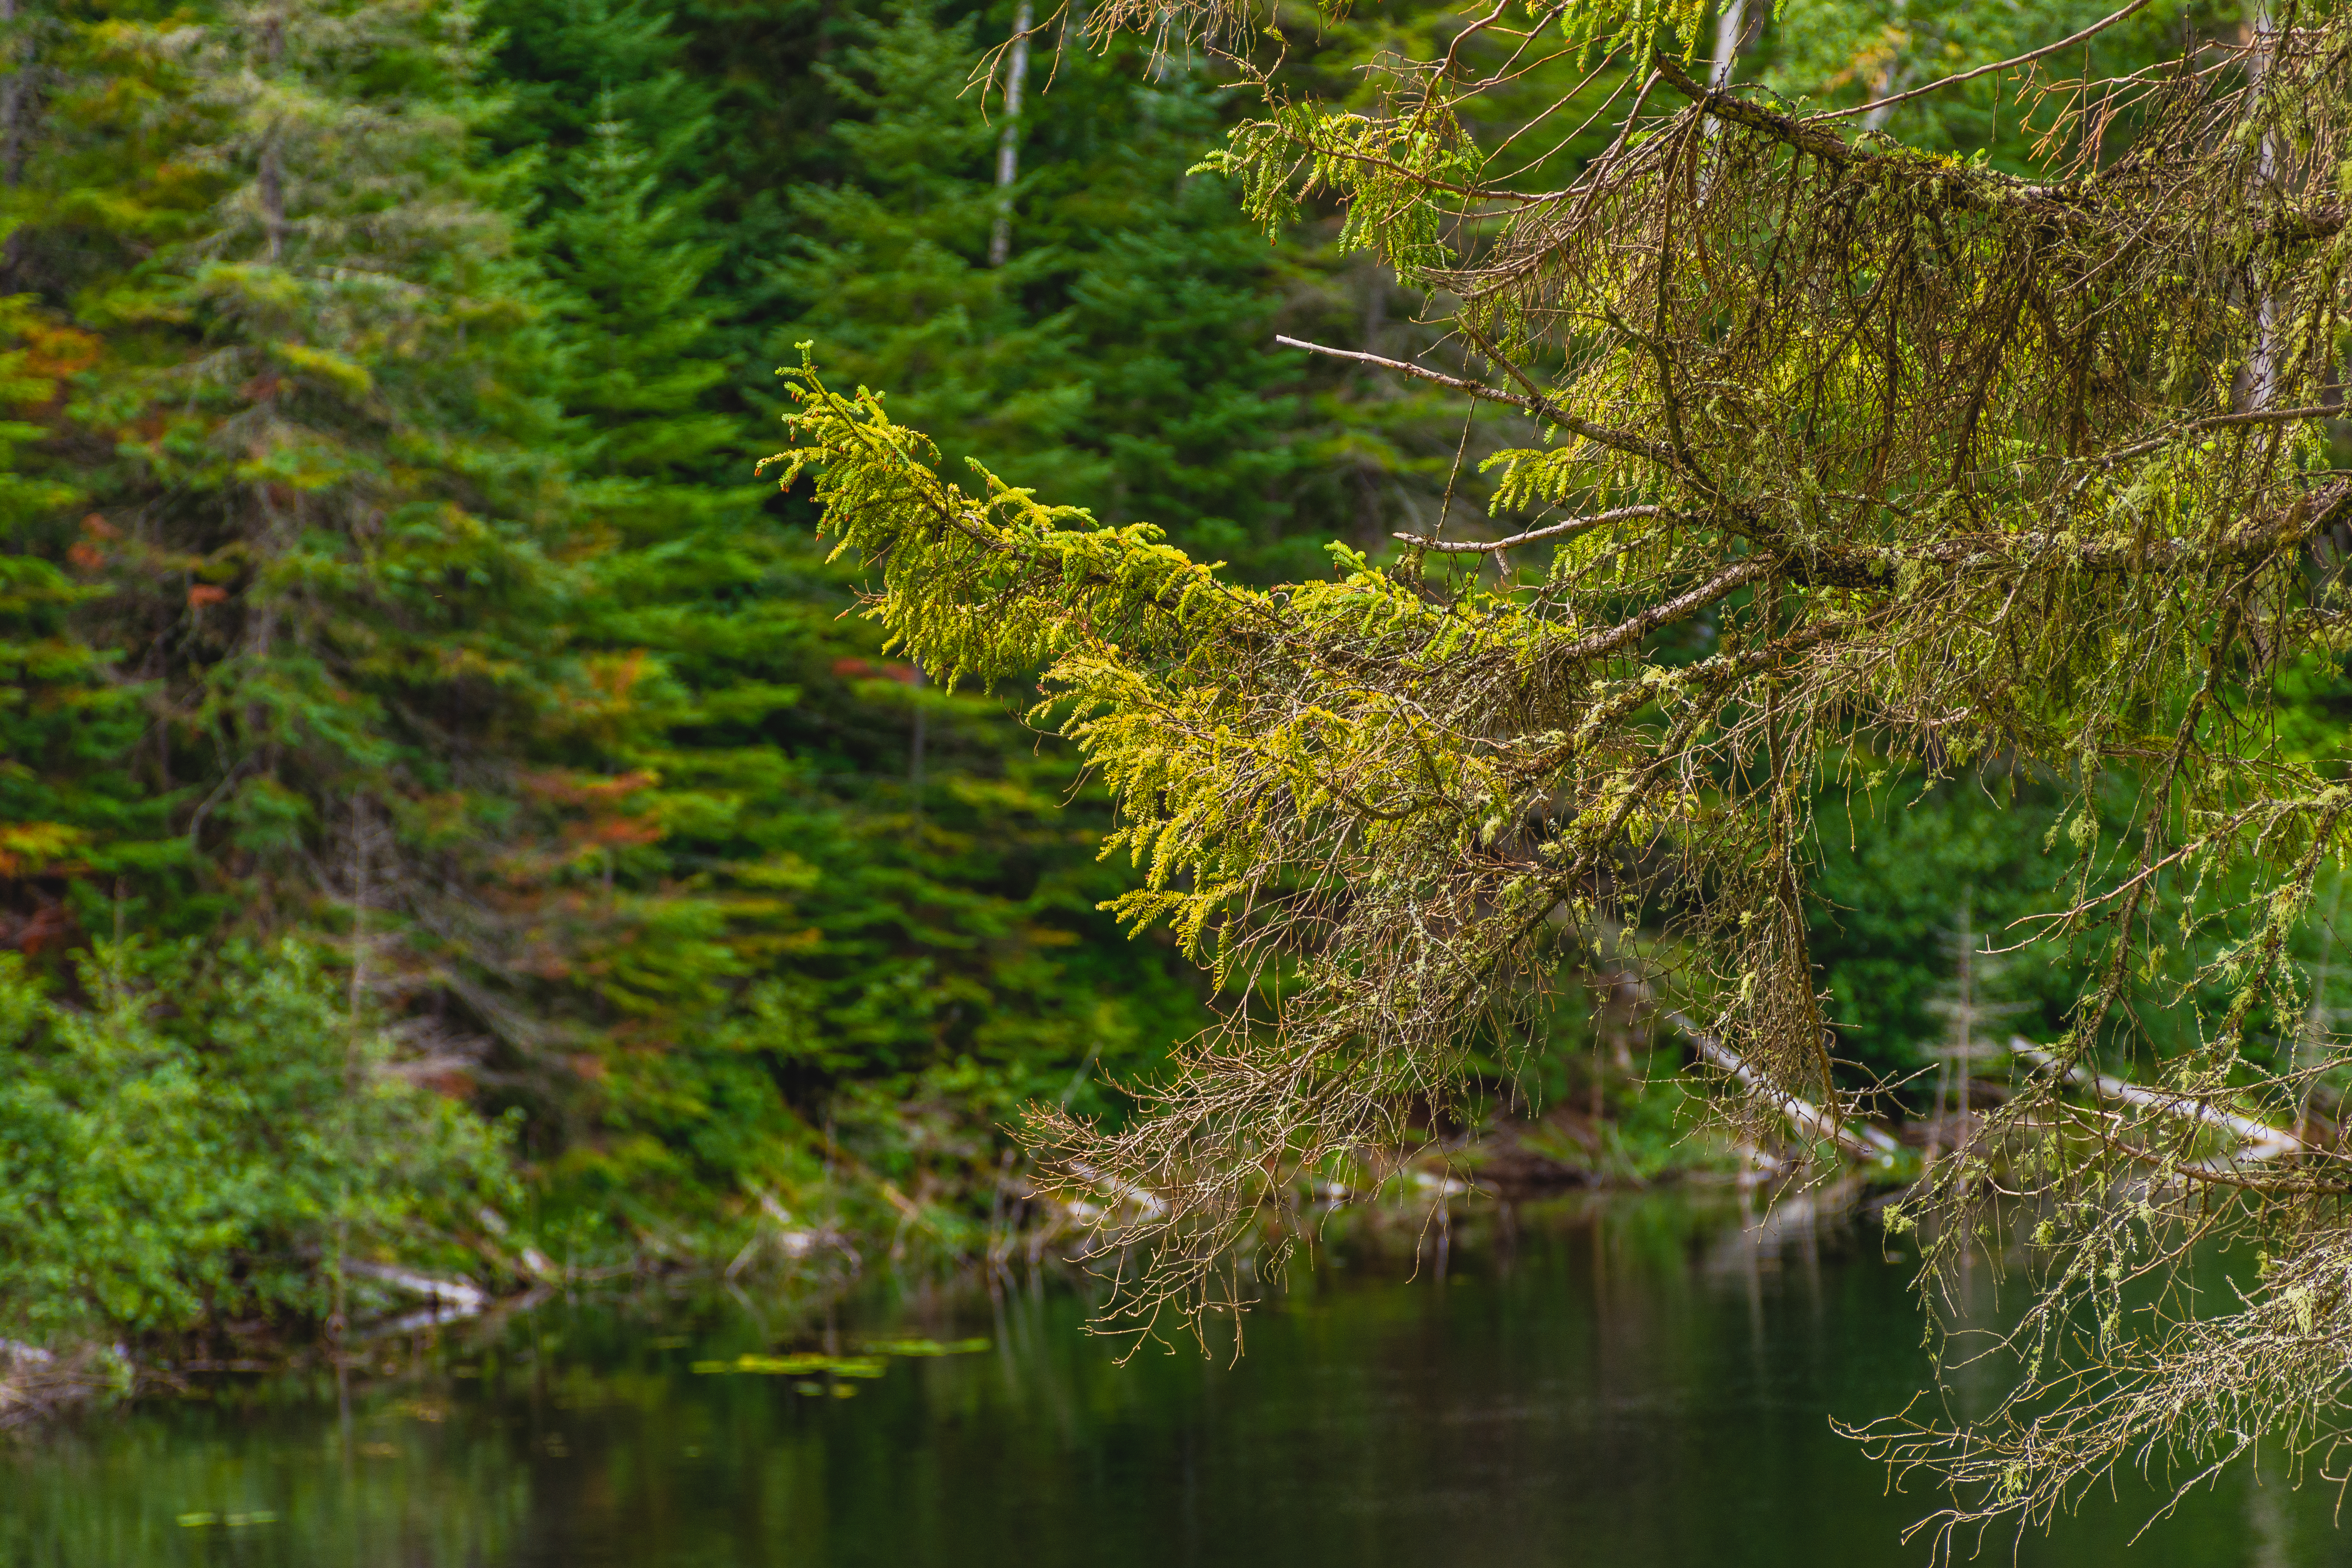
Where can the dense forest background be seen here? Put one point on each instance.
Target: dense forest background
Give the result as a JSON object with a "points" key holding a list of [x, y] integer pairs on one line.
{"points": [[450, 809]]}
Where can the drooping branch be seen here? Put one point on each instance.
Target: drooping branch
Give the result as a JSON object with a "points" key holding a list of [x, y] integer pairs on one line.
{"points": [[1853, 457]]}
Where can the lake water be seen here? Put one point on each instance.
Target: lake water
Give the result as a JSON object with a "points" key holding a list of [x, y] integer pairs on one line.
{"points": [[1631, 1382]]}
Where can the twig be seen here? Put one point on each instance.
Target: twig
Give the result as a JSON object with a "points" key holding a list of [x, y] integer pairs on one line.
{"points": [[2100, 25], [2190, 427], [1619, 440], [1557, 531]]}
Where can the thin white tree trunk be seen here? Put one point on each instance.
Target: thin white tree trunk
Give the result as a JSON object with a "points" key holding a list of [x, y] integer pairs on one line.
{"points": [[1857, 1137], [1730, 22], [2257, 1140], [1889, 80], [1732, 33], [2262, 375], [1008, 144]]}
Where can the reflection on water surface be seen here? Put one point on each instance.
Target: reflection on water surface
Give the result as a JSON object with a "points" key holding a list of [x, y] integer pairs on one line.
{"points": [[1637, 1382]]}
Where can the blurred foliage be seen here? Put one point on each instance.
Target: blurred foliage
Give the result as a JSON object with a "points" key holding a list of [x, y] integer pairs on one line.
{"points": [[208, 1136]]}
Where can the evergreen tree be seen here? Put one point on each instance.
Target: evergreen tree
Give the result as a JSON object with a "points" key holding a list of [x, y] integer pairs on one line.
{"points": [[340, 537], [797, 919], [86, 185], [639, 330], [280, 615], [1126, 346], [328, 544], [73, 816]]}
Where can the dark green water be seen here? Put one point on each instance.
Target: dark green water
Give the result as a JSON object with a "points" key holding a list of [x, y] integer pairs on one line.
{"points": [[1630, 1385]]}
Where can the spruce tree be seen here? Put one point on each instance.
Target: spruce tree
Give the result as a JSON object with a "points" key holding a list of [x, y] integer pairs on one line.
{"points": [[281, 619], [793, 920], [1126, 346], [328, 529], [73, 819], [85, 190]]}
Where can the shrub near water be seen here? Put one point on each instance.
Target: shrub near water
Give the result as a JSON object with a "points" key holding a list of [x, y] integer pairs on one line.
{"points": [[191, 1143]]}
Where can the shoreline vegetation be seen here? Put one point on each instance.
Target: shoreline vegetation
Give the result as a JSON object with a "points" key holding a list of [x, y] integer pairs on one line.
{"points": [[1473, 1176], [839, 1324], [1630, 1128]]}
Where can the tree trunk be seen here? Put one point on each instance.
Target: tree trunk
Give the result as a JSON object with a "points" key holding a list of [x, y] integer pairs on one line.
{"points": [[1890, 81], [2262, 373], [1008, 148], [1730, 30]]}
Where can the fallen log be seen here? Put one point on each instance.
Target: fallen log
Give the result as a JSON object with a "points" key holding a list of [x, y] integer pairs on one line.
{"points": [[2258, 1140], [463, 1296], [1857, 1138]]}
